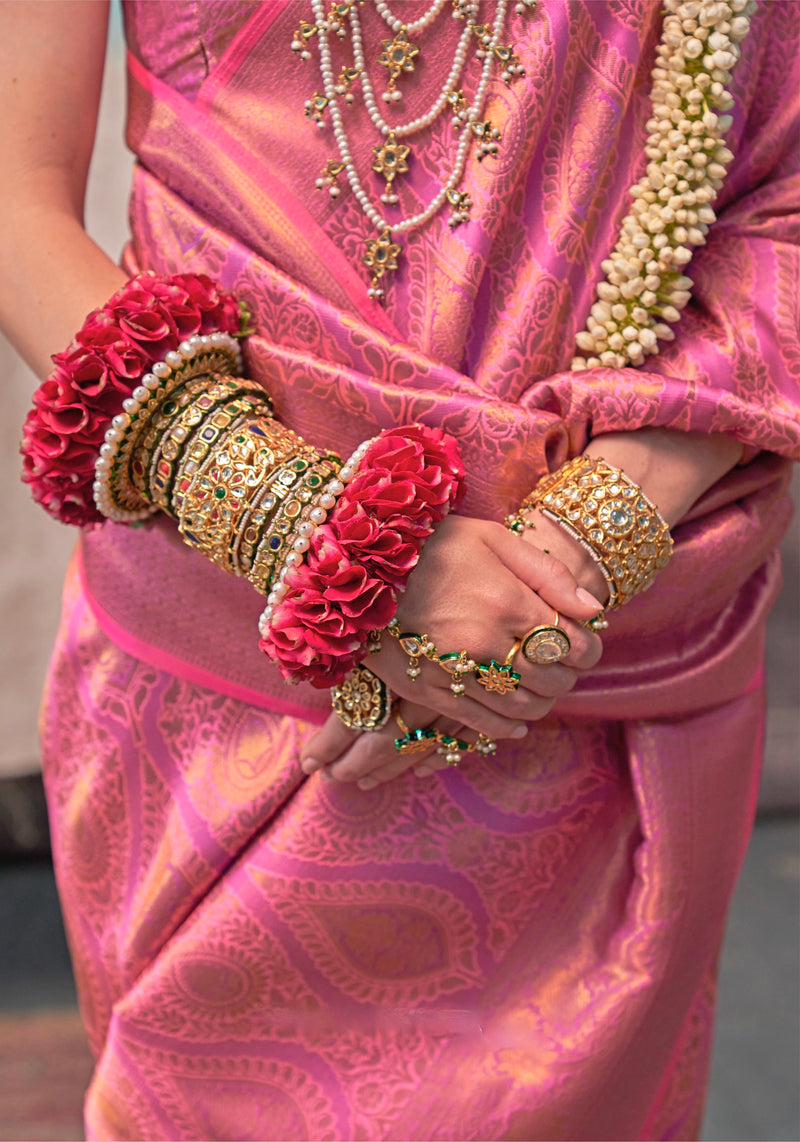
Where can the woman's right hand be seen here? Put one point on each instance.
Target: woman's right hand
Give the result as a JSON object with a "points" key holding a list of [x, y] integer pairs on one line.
{"points": [[477, 587]]}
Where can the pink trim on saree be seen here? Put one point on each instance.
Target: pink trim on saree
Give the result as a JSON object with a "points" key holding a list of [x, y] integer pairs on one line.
{"points": [[240, 46], [171, 664]]}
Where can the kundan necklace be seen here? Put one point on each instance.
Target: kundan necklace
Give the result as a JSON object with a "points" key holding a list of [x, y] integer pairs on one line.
{"points": [[645, 286], [391, 155]]}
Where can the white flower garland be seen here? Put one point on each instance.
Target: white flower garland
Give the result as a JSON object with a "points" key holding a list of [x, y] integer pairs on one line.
{"points": [[645, 289]]}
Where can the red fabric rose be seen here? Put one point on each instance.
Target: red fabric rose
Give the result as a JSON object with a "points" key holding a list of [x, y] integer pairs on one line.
{"points": [[358, 561], [112, 351], [382, 550]]}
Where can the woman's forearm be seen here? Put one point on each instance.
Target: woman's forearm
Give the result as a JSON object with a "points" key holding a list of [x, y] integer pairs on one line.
{"points": [[51, 273], [672, 468], [51, 276]]}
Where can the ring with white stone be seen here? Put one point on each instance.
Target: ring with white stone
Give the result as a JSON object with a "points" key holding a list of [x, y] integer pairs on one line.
{"points": [[544, 645]]}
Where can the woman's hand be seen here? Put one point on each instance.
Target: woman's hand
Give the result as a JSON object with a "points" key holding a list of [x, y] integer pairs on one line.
{"points": [[370, 759], [477, 587]]}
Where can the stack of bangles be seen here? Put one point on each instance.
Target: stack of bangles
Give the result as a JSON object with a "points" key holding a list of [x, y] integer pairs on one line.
{"points": [[147, 411]]}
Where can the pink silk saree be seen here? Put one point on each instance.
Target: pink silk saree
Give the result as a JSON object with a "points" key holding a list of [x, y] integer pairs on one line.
{"points": [[524, 948]]}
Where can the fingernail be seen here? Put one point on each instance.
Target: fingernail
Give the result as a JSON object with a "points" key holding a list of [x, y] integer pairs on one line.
{"points": [[367, 783], [423, 771], [588, 600], [519, 732], [310, 765]]}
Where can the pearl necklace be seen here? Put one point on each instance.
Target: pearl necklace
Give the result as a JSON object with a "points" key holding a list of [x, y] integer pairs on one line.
{"points": [[381, 253], [395, 23], [459, 59], [398, 53]]}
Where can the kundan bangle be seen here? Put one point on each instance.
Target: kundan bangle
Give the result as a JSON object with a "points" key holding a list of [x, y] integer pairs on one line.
{"points": [[224, 487], [177, 439], [298, 542], [117, 348], [612, 519], [286, 537]]}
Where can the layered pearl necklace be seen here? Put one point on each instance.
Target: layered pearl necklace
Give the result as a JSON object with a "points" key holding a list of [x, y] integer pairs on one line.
{"points": [[645, 286], [391, 155]]}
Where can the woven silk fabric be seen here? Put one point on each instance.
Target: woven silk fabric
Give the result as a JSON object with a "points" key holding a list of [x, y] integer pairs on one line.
{"points": [[524, 948], [480, 323]]}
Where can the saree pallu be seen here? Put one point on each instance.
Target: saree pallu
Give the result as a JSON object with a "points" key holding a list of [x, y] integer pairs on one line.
{"points": [[524, 948]]}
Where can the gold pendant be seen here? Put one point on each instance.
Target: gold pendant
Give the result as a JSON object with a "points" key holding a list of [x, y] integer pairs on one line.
{"points": [[489, 138], [460, 108], [330, 173], [460, 206], [347, 77], [389, 162], [315, 107], [512, 69], [380, 257], [301, 38], [337, 17], [398, 56]]}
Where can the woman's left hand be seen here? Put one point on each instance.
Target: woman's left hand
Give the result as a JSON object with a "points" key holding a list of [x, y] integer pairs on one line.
{"points": [[370, 759]]}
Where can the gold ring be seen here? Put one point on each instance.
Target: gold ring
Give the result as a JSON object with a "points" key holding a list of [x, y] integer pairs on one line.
{"points": [[498, 677], [413, 741], [362, 700], [447, 746], [509, 658], [544, 645]]}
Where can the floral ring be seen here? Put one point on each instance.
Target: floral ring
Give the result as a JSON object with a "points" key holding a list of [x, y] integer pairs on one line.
{"points": [[498, 677], [362, 701], [544, 645]]}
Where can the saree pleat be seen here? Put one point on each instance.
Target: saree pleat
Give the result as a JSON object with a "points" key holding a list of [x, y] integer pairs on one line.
{"points": [[524, 948]]}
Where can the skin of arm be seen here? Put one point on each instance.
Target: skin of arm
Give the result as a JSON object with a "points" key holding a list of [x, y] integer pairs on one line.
{"points": [[51, 273]]}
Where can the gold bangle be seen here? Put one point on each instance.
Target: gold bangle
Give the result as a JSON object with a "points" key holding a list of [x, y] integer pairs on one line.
{"points": [[224, 487], [612, 519], [211, 357], [294, 490], [215, 429], [162, 459]]}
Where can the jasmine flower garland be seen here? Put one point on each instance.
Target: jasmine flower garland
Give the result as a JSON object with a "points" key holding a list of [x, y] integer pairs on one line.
{"points": [[645, 287]]}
